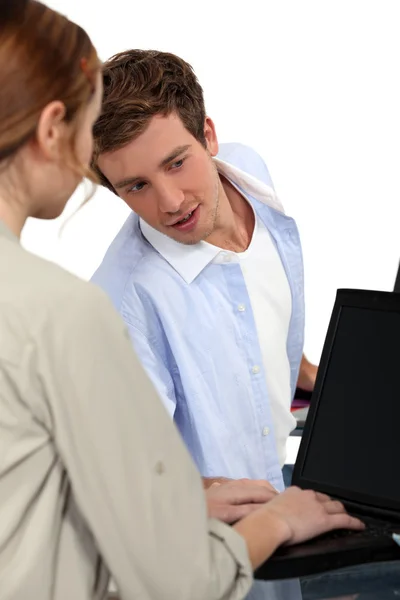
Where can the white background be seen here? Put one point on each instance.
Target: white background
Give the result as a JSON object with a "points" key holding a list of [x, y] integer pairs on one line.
{"points": [[314, 87]]}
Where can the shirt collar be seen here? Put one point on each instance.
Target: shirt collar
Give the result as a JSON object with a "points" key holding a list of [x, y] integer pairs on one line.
{"points": [[189, 261]]}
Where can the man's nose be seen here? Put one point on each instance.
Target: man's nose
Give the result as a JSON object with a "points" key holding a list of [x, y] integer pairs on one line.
{"points": [[170, 199]]}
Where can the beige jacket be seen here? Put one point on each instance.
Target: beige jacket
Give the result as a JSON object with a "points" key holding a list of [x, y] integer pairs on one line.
{"points": [[94, 478]]}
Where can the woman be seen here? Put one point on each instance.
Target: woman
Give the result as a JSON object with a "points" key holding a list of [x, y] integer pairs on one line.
{"points": [[93, 476]]}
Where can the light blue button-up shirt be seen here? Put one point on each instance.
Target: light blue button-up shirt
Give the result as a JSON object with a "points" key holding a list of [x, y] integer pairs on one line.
{"points": [[198, 349]]}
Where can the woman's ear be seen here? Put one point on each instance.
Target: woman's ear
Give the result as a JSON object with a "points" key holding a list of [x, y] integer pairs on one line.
{"points": [[51, 132]]}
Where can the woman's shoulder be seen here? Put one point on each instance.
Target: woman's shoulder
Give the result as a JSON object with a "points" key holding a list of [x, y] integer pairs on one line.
{"points": [[43, 290]]}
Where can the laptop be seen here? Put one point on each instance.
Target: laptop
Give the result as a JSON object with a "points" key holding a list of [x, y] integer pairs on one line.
{"points": [[300, 412], [350, 447]]}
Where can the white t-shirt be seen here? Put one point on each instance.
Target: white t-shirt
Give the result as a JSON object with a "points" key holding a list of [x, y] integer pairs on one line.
{"points": [[271, 302]]}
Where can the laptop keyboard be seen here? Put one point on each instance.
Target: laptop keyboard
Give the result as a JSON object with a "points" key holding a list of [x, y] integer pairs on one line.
{"points": [[374, 528]]}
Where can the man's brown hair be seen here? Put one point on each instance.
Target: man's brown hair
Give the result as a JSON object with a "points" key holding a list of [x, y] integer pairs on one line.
{"points": [[139, 84]]}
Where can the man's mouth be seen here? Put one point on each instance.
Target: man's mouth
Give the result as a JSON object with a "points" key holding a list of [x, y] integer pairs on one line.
{"points": [[184, 218], [187, 222]]}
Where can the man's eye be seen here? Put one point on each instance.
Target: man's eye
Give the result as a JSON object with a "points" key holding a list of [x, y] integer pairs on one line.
{"points": [[177, 164], [137, 187]]}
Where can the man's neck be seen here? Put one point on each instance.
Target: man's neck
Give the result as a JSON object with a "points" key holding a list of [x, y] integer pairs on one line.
{"points": [[235, 222]]}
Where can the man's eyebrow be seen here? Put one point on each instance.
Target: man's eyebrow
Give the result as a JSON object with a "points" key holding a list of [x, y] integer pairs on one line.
{"points": [[125, 182], [165, 161], [174, 154]]}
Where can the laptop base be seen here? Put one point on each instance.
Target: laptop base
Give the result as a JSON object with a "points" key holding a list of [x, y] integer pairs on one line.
{"points": [[329, 552]]}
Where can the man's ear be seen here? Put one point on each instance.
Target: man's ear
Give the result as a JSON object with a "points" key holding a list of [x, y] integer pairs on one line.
{"points": [[210, 136]]}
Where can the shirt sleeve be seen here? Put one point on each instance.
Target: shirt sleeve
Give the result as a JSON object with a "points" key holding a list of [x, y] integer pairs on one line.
{"points": [[133, 480], [150, 357]]}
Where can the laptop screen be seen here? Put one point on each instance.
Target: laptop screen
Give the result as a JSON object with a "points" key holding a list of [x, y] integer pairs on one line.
{"points": [[353, 445]]}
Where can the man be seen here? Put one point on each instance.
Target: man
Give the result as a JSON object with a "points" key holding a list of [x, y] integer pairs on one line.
{"points": [[206, 272]]}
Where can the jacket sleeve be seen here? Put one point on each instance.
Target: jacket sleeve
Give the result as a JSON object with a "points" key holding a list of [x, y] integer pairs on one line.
{"points": [[132, 478]]}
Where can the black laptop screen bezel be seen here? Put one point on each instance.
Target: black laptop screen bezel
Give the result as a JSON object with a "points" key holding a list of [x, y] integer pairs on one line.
{"points": [[363, 299]]}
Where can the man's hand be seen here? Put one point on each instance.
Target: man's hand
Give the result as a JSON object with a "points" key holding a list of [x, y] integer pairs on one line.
{"points": [[232, 500], [307, 375], [209, 481]]}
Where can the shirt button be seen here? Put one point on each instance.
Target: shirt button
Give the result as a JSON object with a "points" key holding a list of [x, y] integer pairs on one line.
{"points": [[265, 431], [241, 308], [227, 258], [160, 468], [255, 369]]}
